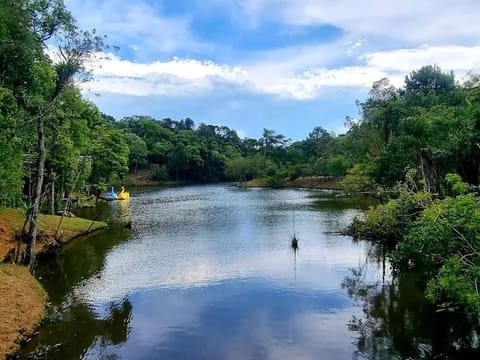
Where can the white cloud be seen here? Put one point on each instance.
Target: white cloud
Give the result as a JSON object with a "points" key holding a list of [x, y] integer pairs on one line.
{"points": [[294, 72], [176, 77], [457, 58], [433, 21], [308, 85], [188, 69], [295, 77], [353, 46]]}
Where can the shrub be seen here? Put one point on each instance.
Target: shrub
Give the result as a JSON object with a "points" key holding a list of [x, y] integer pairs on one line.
{"points": [[358, 180], [160, 173], [389, 221]]}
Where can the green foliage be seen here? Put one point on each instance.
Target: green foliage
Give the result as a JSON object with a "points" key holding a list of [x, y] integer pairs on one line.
{"points": [[137, 149], [110, 155], [188, 153], [456, 287], [430, 79], [388, 222], [337, 165], [359, 179], [439, 238], [300, 170], [444, 243], [238, 169], [160, 173], [399, 154], [19, 48], [455, 185], [449, 226], [11, 173]]}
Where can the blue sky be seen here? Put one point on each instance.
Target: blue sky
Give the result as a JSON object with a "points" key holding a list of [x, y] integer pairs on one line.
{"points": [[286, 65]]}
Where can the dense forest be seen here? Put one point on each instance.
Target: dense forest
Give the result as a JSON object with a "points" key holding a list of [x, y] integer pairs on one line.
{"points": [[416, 147]]}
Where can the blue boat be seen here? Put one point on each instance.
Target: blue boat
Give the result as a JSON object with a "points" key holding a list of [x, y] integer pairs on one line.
{"points": [[110, 196]]}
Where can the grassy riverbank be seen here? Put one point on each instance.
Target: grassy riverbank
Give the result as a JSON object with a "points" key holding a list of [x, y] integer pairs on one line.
{"points": [[11, 221], [22, 309], [22, 297], [307, 182]]}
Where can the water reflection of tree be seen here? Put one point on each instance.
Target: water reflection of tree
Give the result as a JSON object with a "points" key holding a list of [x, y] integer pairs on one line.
{"points": [[77, 331], [78, 261], [398, 323], [73, 326]]}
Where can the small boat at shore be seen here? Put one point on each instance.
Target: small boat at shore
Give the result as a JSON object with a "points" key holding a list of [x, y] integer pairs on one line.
{"points": [[112, 195], [109, 196], [123, 195]]}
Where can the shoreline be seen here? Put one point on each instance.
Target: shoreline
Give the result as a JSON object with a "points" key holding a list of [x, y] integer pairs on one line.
{"points": [[24, 306], [24, 301], [303, 182]]}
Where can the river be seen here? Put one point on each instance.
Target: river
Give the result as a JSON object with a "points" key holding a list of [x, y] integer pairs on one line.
{"points": [[208, 272]]}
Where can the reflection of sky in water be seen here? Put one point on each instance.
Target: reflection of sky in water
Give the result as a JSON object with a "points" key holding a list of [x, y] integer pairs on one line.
{"points": [[202, 235], [237, 320], [210, 274]]}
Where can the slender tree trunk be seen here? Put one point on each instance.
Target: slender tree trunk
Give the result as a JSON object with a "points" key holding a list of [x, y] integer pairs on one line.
{"points": [[69, 200], [52, 195], [33, 219], [429, 172]]}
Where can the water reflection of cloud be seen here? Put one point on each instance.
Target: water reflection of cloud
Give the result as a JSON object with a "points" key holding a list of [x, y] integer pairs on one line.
{"points": [[234, 321], [318, 267], [212, 275], [186, 240]]}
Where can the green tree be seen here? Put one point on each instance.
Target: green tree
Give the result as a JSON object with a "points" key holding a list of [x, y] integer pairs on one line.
{"points": [[238, 168], [109, 155], [11, 174], [138, 150], [24, 28]]}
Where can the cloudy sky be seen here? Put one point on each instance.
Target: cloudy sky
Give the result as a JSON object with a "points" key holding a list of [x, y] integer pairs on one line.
{"points": [[287, 65]]}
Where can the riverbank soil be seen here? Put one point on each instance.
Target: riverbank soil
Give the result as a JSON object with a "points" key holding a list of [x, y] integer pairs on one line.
{"points": [[11, 221], [22, 298], [22, 307], [307, 182]]}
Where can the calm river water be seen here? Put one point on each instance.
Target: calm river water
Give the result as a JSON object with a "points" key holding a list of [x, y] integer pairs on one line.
{"points": [[207, 272]]}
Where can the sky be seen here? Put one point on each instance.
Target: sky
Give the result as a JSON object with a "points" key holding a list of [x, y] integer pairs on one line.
{"points": [[285, 65]]}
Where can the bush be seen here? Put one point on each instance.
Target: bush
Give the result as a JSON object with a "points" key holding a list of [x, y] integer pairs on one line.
{"points": [[160, 173], [358, 179], [300, 170], [338, 165], [389, 221], [455, 287], [444, 243], [455, 185]]}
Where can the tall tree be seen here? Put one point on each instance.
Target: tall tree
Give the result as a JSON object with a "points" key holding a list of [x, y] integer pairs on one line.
{"points": [[49, 18]]}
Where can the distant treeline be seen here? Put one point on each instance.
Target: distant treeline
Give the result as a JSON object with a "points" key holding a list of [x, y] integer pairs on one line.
{"points": [[431, 111]]}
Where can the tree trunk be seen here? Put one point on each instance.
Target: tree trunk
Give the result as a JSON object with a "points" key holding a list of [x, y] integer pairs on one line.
{"points": [[429, 172], [468, 166], [51, 203], [33, 217]]}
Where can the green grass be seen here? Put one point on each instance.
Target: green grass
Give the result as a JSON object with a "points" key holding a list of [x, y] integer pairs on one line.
{"points": [[11, 220], [255, 183]]}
